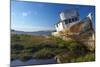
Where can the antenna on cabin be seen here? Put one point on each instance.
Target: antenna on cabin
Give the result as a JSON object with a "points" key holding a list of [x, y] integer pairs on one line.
{"points": [[90, 16]]}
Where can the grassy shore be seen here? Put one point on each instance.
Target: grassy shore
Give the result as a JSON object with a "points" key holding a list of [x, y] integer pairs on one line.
{"points": [[25, 47]]}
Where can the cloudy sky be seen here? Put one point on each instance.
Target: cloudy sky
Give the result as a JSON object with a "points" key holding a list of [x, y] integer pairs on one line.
{"points": [[36, 16]]}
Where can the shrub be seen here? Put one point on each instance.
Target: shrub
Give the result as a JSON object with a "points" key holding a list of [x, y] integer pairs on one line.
{"points": [[86, 58], [15, 37], [24, 56], [17, 47], [43, 54], [77, 49], [14, 56]]}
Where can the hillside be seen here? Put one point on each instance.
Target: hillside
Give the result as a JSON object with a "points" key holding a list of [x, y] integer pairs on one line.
{"points": [[48, 32]]}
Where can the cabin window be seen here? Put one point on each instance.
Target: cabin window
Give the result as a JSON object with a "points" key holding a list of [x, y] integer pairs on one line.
{"points": [[66, 21], [56, 25], [69, 20], [73, 19], [76, 18]]}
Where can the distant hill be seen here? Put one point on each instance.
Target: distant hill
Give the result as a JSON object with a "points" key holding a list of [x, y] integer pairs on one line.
{"points": [[48, 32]]}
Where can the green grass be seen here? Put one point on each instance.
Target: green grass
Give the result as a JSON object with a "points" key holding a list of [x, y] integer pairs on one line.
{"points": [[25, 47]]}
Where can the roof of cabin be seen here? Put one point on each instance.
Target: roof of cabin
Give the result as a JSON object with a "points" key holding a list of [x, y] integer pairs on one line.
{"points": [[67, 11], [70, 11]]}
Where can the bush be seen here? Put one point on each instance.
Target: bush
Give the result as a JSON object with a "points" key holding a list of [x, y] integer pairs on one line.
{"points": [[24, 56], [86, 58], [14, 56], [15, 37], [43, 54], [17, 47], [77, 49]]}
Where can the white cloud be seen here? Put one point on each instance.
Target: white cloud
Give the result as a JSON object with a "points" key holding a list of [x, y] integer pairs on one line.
{"points": [[24, 14]]}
